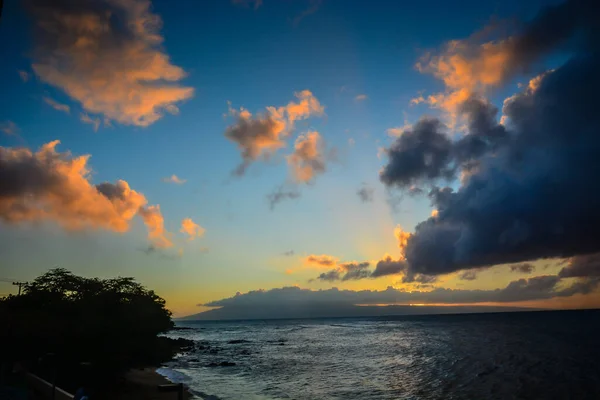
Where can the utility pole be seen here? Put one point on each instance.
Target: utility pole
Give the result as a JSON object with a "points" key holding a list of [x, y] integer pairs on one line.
{"points": [[19, 284]]}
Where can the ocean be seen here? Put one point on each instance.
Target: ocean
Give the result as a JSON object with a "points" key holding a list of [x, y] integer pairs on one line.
{"points": [[519, 355]]}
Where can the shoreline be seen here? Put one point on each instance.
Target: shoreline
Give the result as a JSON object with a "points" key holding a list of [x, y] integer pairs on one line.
{"points": [[143, 384]]}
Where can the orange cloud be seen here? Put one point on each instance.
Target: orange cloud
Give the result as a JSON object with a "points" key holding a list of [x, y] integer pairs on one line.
{"points": [[48, 185], [192, 229], [399, 130], [119, 71], [308, 159], [360, 97], [263, 134], [156, 226], [56, 105], [467, 68], [322, 260], [308, 105], [402, 237]]}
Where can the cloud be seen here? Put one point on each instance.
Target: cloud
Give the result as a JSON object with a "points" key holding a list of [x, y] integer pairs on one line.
{"points": [[361, 97], [308, 158], [9, 128], [365, 193], [399, 130], [537, 288], [425, 153], [312, 8], [247, 3], [474, 65], [57, 106], [261, 135], [528, 194], [95, 122], [49, 185], [500, 214], [174, 179], [280, 194], [402, 236], [387, 266], [161, 253], [192, 229], [524, 268], [582, 266], [108, 56], [156, 226], [24, 75], [345, 272], [468, 276], [322, 260]]}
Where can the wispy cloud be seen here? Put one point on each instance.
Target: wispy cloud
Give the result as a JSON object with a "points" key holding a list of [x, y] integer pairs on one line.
{"points": [[247, 3], [281, 193], [24, 75], [313, 7], [365, 193], [174, 179], [322, 260], [9, 128], [361, 97], [108, 56], [86, 119], [57, 106]]}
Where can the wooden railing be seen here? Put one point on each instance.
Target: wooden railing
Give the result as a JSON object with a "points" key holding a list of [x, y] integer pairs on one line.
{"points": [[47, 390]]}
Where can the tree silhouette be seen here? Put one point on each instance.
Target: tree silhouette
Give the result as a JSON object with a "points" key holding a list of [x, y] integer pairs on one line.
{"points": [[111, 325]]}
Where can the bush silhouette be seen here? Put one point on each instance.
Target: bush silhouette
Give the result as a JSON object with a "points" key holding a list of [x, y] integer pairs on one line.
{"points": [[110, 325]]}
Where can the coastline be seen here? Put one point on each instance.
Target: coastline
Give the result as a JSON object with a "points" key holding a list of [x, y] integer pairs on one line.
{"points": [[142, 384]]}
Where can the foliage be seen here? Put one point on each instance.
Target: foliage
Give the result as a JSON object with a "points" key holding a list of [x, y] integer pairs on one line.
{"points": [[110, 324]]}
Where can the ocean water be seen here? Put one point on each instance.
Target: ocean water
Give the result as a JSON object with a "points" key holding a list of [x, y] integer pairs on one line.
{"points": [[525, 355]]}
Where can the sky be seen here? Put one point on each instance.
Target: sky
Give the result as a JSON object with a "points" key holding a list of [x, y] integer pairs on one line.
{"points": [[237, 153]]}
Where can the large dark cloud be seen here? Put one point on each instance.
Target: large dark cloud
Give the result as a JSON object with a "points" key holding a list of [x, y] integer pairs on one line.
{"points": [[530, 191], [531, 198]]}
